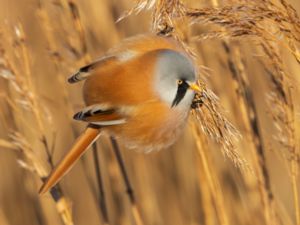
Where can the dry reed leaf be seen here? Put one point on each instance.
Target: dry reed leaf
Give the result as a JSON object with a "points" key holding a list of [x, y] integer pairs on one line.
{"points": [[7, 144]]}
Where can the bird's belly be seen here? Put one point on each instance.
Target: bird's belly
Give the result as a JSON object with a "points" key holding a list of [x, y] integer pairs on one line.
{"points": [[151, 130]]}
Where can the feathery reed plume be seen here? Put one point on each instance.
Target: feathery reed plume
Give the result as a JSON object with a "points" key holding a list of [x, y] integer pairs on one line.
{"points": [[249, 19], [23, 99], [216, 126], [137, 8]]}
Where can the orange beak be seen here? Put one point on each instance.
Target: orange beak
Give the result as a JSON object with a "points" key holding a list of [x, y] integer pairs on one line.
{"points": [[195, 87]]}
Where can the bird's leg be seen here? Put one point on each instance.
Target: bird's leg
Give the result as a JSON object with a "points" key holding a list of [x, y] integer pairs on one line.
{"points": [[101, 197], [129, 189], [197, 101]]}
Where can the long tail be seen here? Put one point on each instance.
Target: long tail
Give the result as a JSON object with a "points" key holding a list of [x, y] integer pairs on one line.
{"points": [[83, 142]]}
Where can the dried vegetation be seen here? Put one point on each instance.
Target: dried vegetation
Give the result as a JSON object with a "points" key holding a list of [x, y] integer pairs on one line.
{"points": [[247, 54]]}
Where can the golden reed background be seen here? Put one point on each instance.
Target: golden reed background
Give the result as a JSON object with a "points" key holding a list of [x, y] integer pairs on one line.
{"points": [[247, 52]]}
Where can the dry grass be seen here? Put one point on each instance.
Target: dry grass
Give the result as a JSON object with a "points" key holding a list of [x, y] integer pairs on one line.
{"points": [[248, 58]]}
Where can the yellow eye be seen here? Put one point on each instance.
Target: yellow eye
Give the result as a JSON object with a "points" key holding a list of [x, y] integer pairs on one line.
{"points": [[179, 82]]}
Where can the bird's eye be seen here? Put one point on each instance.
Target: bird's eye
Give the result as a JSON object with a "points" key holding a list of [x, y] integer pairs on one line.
{"points": [[179, 82]]}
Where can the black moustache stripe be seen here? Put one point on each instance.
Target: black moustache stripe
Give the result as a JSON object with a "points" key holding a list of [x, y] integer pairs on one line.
{"points": [[181, 91]]}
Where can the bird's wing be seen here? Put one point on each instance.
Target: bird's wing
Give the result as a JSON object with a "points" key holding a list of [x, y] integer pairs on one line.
{"points": [[87, 70], [110, 60], [124, 51], [100, 114], [83, 142]]}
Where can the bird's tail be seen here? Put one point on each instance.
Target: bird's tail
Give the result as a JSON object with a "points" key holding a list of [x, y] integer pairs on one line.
{"points": [[83, 142]]}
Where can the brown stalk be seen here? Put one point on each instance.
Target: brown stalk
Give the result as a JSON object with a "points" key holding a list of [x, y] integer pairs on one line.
{"points": [[211, 178], [284, 116], [206, 194], [250, 118]]}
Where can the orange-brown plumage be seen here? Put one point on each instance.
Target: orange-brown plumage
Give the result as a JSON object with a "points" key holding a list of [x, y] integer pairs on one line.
{"points": [[140, 92], [107, 85]]}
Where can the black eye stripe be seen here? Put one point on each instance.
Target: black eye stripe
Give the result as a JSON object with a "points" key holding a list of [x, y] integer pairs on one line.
{"points": [[181, 91]]}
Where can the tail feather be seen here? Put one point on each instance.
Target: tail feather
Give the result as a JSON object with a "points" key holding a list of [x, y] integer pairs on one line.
{"points": [[81, 145]]}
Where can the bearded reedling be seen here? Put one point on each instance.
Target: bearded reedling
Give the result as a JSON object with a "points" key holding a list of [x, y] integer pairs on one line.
{"points": [[141, 92]]}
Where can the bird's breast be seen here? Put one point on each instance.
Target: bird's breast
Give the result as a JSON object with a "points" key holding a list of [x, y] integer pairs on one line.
{"points": [[151, 127]]}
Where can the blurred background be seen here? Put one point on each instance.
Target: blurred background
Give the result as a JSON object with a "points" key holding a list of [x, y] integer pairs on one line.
{"points": [[248, 56]]}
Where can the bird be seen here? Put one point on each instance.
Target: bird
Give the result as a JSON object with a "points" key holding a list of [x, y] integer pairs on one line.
{"points": [[140, 92]]}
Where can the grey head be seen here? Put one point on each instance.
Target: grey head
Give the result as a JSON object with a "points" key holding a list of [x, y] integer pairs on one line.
{"points": [[174, 74]]}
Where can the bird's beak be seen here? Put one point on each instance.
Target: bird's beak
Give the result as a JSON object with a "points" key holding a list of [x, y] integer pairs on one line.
{"points": [[195, 87]]}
